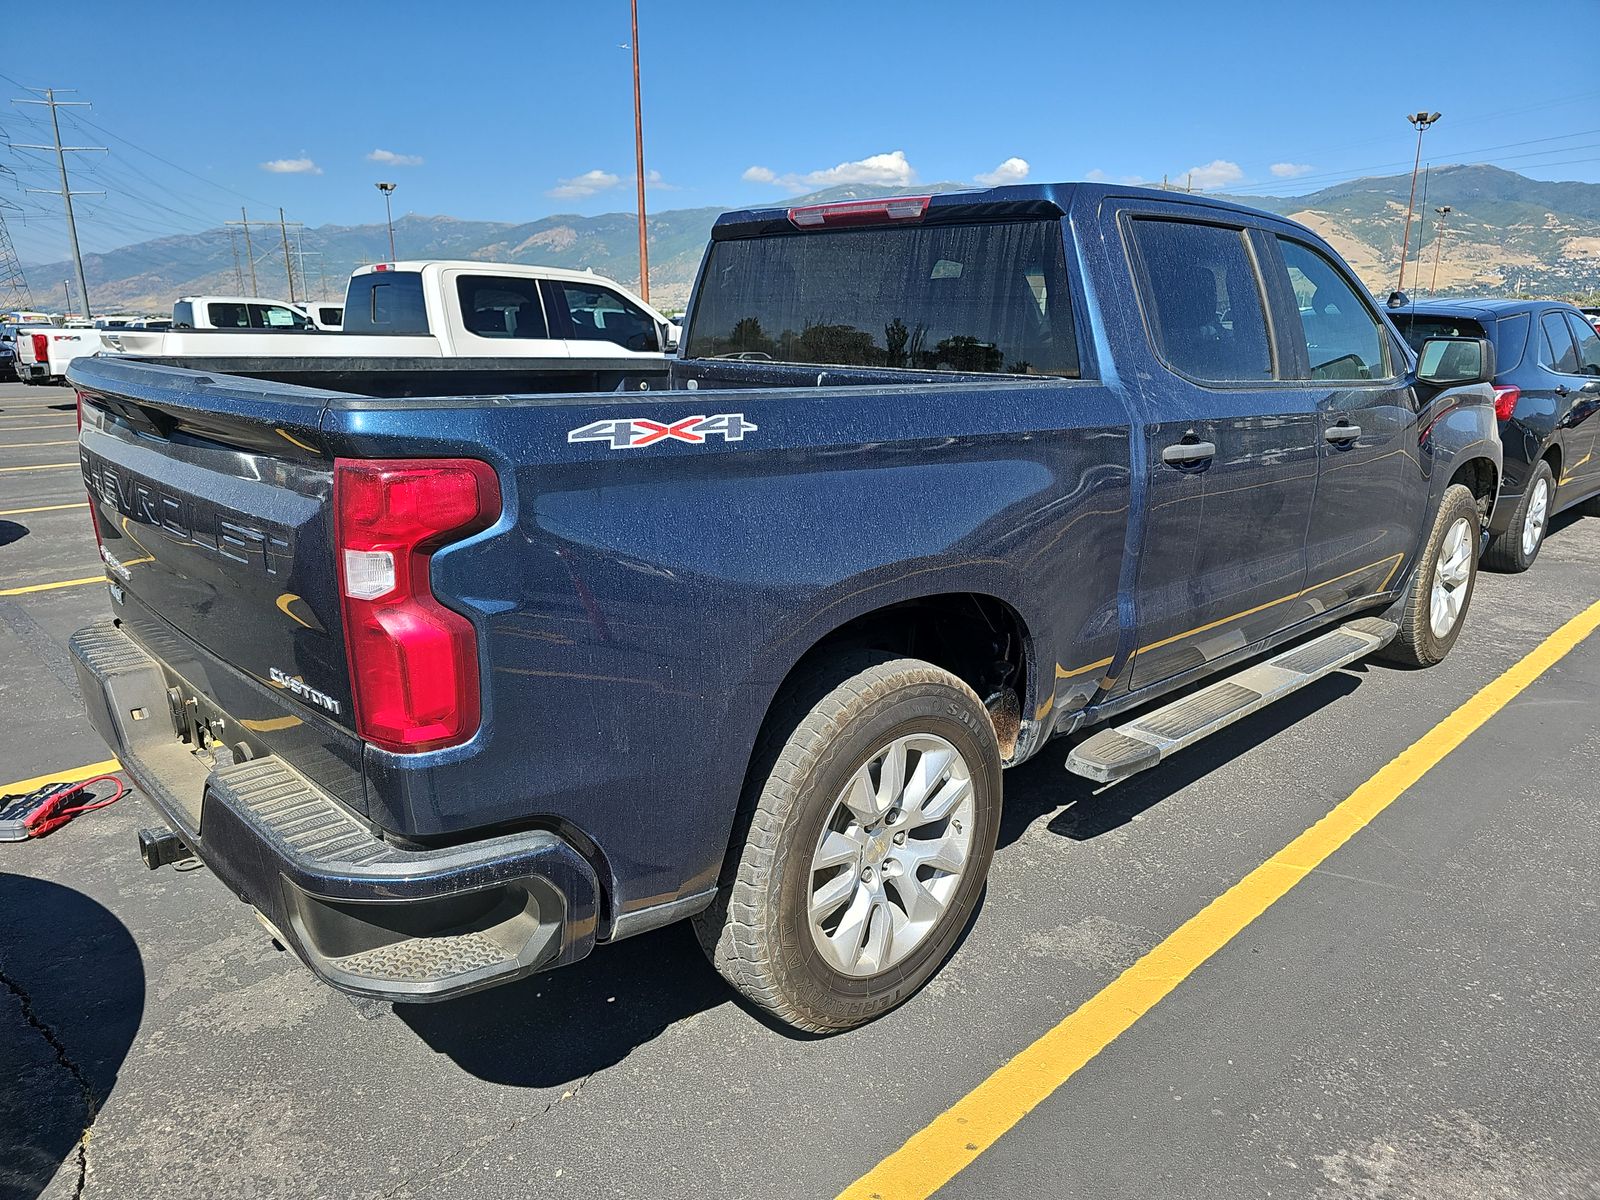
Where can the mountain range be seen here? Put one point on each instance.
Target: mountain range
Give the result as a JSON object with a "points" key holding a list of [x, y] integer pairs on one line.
{"points": [[1506, 234]]}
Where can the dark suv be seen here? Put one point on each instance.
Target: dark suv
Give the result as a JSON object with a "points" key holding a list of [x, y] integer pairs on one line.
{"points": [[1547, 392]]}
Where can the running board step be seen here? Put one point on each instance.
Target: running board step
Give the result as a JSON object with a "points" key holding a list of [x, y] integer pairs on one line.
{"points": [[1114, 754]]}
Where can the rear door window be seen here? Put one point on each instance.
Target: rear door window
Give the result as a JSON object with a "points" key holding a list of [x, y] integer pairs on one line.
{"points": [[227, 315], [1202, 299], [494, 306], [986, 297], [1559, 352], [1588, 345], [1343, 338]]}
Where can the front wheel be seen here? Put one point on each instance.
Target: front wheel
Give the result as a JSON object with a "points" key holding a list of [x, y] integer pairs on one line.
{"points": [[873, 815], [1435, 603]]}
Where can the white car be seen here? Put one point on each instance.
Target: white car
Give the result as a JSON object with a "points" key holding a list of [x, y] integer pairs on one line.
{"points": [[324, 314]]}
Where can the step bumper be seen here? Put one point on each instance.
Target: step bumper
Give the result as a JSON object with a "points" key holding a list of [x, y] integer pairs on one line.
{"points": [[368, 917]]}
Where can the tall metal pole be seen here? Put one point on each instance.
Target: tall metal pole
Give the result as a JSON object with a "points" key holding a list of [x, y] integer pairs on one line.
{"points": [[1438, 242], [249, 252], [66, 290], [52, 103], [288, 263], [638, 153], [1420, 120], [388, 214], [238, 271]]}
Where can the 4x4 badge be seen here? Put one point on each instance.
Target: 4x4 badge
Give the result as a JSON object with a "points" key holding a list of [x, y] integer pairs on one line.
{"points": [[632, 433]]}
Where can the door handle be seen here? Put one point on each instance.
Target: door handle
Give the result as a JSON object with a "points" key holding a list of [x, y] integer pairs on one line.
{"points": [[1186, 454], [1563, 390], [1342, 434]]}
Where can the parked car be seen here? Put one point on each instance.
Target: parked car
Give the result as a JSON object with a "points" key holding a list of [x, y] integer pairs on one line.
{"points": [[237, 312], [1547, 395], [1592, 315], [325, 314], [43, 352], [435, 327], [452, 690]]}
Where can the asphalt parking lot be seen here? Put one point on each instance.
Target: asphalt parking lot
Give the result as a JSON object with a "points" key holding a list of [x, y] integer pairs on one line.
{"points": [[1416, 1017]]}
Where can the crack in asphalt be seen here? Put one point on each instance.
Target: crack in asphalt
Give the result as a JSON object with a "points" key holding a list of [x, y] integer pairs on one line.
{"points": [[453, 1164], [91, 1103]]}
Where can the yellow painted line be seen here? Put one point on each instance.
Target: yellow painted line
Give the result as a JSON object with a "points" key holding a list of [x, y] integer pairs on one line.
{"points": [[40, 467], [23, 445], [50, 587], [74, 775], [942, 1149], [42, 410], [56, 425], [19, 512]]}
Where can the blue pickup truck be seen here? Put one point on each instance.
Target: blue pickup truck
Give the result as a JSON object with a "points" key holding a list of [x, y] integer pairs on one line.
{"points": [[449, 690]]}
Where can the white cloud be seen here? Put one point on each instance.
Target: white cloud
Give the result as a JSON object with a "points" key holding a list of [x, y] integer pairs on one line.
{"points": [[1096, 175], [292, 166], [391, 159], [890, 168], [586, 184], [1290, 170], [653, 180], [1219, 172], [1013, 170]]}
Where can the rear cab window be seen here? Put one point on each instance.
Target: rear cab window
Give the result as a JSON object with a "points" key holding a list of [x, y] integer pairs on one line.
{"points": [[970, 297], [386, 302]]}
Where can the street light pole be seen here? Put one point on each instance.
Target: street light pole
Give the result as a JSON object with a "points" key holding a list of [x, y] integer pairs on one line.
{"points": [[1444, 211], [1420, 121], [388, 213], [638, 154]]}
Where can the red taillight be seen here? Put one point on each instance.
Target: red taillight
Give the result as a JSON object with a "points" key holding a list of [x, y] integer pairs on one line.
{"points": [[41, 348], [413, 662], [382, 267], [80, 411], [1505, 401], [860, 212]]}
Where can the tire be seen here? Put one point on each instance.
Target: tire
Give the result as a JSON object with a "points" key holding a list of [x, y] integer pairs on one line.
{"points": [[1419, 643], [1516, 548], [823, 742]]}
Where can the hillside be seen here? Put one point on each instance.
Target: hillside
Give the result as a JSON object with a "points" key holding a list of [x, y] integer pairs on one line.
{"points": [[1507, 233]]}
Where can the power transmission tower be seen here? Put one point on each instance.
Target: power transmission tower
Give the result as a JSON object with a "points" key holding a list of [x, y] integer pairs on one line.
{"points": [[13, 283], [66, 193], [238, 271], [283, 230]]}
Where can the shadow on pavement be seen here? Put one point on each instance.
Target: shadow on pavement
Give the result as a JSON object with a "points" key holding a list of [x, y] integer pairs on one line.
{"points": [[1044, 785], [71, 998], [562, 1026], [12, 531]]}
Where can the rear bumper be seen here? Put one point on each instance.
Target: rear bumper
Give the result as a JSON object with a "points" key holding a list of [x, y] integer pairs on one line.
{"points": [[32, 372], [366, 916]]}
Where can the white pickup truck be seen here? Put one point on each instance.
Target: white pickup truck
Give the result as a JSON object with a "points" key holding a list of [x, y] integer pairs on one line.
{"points": [[443, 328], [43, 351]]}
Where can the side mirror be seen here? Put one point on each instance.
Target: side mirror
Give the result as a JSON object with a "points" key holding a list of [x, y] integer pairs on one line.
{"points": [[669, 337], [1454, 362]]}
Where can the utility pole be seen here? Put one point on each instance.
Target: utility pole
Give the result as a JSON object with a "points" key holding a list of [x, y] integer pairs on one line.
{"points": [[249, 252], [66, 192], [238, 271], [288, 263], [1444, 210], [1420, 120], [66, 290], [638, 153]]}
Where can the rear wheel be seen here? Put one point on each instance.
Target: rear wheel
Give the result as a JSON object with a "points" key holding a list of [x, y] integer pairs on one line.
{"points": [[1516, 548], [1435, 603], [873, 815]]}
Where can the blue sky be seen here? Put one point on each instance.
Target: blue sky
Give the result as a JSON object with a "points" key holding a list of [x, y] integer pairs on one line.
{"points": [[516, 111]]}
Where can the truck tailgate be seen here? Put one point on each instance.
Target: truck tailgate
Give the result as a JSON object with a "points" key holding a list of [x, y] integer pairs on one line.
{"points": [[212, 506]]}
